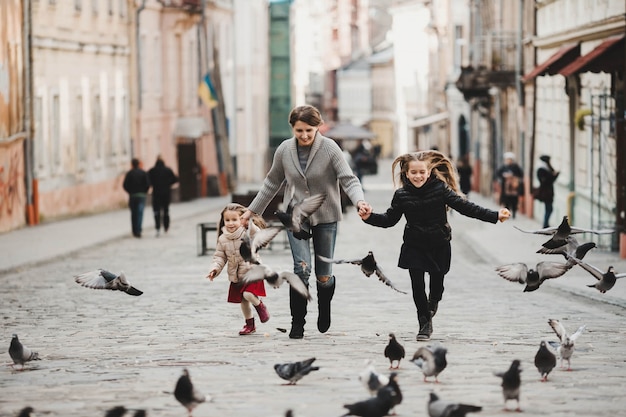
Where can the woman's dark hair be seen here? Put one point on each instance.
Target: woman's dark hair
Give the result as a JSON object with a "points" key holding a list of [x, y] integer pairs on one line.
{"points": [[307, 114]]}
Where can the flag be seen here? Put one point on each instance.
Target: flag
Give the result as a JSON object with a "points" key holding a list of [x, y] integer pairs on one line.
{"points": [[207, 93]]}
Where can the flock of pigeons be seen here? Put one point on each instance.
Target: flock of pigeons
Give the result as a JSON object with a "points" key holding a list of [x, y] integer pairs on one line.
{"points": [[384, 391]]}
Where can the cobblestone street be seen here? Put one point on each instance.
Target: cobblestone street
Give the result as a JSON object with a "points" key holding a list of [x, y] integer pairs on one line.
{"points": [[100, 349]]}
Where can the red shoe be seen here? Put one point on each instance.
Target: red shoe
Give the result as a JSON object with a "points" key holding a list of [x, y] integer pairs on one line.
{"points": [[264, 315], [248, 328]]}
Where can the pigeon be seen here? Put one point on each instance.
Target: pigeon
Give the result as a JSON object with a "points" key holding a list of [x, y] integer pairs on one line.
{"points": [[441, 408], [372, 380], [545, 361], [511, 383], [294, 371], [117, 411], [565, 347], [562, 232], [394, 351], [26, 412], [276, 279], [570, 248], [250, 245], [393, 389], [101, 279], [186, 393], [297, 214], [377, 406], [533, 278], [368, 267], [431, 360], [606, 280], [20, 353]]}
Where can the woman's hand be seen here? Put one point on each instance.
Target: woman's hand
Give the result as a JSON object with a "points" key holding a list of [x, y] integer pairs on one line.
{"points": [[504, 214], [364, 209], [245, 217]]}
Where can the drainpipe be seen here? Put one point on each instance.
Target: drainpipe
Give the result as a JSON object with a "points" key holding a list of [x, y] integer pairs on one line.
{"points": [[572, 91], [32, 194], [138, 49]]}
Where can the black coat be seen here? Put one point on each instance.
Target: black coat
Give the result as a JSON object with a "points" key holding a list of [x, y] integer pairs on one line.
{"points": [[427, 233], [161, 178], [136, 182]]}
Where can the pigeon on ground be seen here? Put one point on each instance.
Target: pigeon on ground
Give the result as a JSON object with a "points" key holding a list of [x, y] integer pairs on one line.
{"points": [[441, 408], [377, 406], [26, 412], [250, 246], [394, 351], [187, 394], [297, 213], [606, 280], [545, 361], [511, 383], [562, 232], [294, 371], [20, 353], [101, 279], [275, 279], [565, 346], [368, 267], [120, 411], [533, 278], [394, 391], [372, 380], [431, 360]]}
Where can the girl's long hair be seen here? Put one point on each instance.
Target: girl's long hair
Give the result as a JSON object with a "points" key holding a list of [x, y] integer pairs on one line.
{"points": [[436, 162], [258, 220]]}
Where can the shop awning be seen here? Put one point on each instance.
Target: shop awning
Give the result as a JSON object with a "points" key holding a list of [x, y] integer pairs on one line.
{"points": [[560, 59], [606, 57], [190, 127], [428, 120]]}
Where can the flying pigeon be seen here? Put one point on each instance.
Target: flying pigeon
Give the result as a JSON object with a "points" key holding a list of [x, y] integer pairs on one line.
{"points": [[394, 351], [20, 353], [368, 267], [570, 248], [377, 406], [186, 393], [26, 412], [276, 279], [297, 213], [533, 278], [511, 383], [101, 279], [250, 245], [372, 380], [565, 347], [431, 360], [441, 408], [606, 280], [562, 232], [294, 371], [545, 361]]}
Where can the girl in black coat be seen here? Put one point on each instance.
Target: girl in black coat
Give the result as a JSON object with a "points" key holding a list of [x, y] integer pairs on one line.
{"points": [[424, 199]]}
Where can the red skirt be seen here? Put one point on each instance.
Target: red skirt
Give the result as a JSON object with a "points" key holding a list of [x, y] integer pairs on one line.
{"points": [[235, 291]]}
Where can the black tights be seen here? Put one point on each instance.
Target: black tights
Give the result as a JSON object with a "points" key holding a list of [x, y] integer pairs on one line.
{"points": [[419, 289]]}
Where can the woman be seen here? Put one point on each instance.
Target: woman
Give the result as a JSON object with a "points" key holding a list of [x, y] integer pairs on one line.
{"points": [[310, 164], [546, 175]]}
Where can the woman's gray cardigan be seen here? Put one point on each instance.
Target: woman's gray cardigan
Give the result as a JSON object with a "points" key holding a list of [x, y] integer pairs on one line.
{"points": [[326, 170]]}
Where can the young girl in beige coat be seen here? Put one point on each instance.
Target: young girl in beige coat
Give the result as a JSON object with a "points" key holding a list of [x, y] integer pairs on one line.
{"points": [[230, 232]]}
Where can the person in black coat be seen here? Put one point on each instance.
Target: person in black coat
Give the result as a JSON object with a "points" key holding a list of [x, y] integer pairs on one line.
{"points": [[546, 175], [424, 199], [136, 184], [161, 178], [511, 178]]}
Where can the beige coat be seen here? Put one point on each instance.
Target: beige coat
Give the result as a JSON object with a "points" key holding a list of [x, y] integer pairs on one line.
{"points": [[227, 251]]}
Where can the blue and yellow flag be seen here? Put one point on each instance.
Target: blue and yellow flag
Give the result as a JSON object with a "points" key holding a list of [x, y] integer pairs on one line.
{"points": [[207, 93]]}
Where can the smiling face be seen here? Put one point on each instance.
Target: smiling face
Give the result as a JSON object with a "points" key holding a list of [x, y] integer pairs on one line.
{"points": [[417, 172], [304, 133], [232, 220]]}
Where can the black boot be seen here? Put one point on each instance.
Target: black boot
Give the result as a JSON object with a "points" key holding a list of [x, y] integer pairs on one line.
{"points": [[298, 305], [432, 307], [426, 328], [325, 292]]}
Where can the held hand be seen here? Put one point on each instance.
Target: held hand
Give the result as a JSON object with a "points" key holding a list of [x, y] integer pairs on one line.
{"points": [[245, 217], [504, 214], [364, 209]]}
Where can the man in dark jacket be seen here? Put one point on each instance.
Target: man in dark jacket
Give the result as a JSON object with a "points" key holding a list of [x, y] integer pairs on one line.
{"points": [[161, 178], [136, 184]]}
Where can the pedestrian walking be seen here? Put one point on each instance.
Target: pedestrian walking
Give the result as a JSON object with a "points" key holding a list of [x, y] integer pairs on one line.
{"points": [[161, 178], [428, 186], [511, 177], [546, 175], [464, 169], [230, 232], [136, 184], [309, 164]]}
